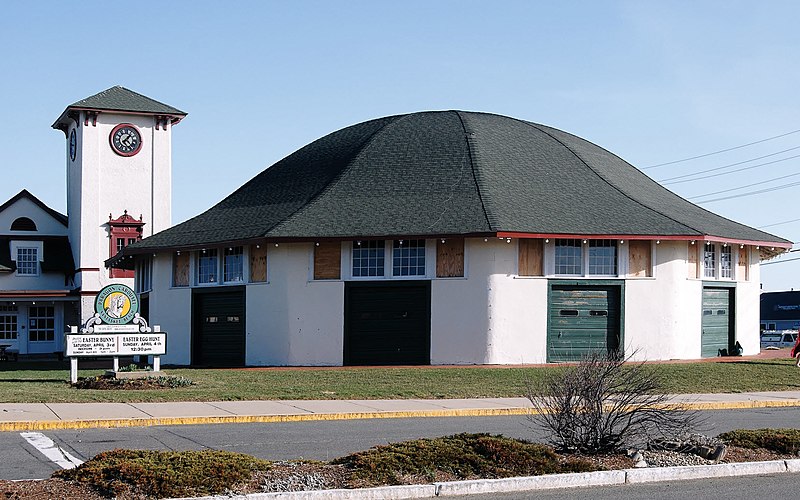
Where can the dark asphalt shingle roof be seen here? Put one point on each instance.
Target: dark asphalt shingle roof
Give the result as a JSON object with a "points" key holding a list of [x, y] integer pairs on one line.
{"points": [[119, 98], [447, 173]]}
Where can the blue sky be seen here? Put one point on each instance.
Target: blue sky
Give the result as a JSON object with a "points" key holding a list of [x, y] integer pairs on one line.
{"points": [[650, 81]]}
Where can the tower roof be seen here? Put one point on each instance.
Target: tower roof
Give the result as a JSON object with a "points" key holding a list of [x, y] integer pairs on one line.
{"points": [[123, 100], [431, 174]]}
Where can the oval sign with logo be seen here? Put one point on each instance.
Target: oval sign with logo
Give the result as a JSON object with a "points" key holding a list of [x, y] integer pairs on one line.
{"points": [[116, 304]]}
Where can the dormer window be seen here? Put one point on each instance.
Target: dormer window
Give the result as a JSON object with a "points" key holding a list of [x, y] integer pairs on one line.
{"points": [[123, 231], [23, 224]]}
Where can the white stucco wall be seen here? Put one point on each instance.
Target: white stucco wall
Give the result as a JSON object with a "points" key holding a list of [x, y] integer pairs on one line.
{"points": [[292, 320], [748, 307], [663, 313], [171, 308], [491, 316]]}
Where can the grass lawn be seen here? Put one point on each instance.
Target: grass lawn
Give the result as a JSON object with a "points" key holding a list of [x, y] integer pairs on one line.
{"points": [[38, 382]]}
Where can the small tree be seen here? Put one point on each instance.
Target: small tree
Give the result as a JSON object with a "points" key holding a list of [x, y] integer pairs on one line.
{"points": [[604, 402]]}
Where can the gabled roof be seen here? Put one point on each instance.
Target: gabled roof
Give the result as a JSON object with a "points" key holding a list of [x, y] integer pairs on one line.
{"points": [[441, 173], [25, 194], [119, 98]]}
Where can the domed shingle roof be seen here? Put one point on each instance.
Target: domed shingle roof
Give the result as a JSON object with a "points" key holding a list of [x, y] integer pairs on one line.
{"points": [[450, 173]]}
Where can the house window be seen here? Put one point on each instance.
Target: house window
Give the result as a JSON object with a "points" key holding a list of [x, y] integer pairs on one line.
{"points": [[234, 265], [408, 258], [8, 322], [207, 267], [726, 263], [144, 275], [41, 321], [368, 258], [180, 269], [120, 244], [569, 257], [710, 261], [603, 257], [27, 261]]}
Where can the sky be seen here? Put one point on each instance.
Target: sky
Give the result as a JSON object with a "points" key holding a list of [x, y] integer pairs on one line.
{"points": [[653, 82]]}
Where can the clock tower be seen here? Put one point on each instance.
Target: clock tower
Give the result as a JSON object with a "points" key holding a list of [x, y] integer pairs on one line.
{"points": [[119, 181]]}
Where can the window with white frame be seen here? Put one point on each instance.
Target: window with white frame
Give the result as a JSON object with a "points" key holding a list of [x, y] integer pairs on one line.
{"points": [[27, 261], [726, 262], [144, 275], [368, 258], [207, 267], [602, 257], [8, 322], [569, 257], [710, 261], [41, 321], [408, 258], [234, 265]]}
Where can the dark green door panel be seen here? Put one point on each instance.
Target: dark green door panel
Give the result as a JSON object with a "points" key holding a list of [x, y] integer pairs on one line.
{"points": [[219, 329], [583, 319], [717, 321], [387, 323]]}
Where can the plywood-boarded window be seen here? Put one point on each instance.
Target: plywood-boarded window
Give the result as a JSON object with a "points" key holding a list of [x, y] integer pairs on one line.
{"points": [[743, 265], [640, 257], [258, 263], [693, 262], [450, 258], [180, 269], [328, 260], [531, 254]]}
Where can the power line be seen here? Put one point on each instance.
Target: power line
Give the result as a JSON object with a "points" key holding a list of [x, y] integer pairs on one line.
{"points": [[742, 195], [745, 186], [751, 167], [778, 223], [721, 150], [730, 165]]}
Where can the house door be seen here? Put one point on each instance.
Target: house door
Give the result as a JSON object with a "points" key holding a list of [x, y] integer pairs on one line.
{"points": [[41, 329], [583, 319], [387, 323], [218, 333], [717, 324]]}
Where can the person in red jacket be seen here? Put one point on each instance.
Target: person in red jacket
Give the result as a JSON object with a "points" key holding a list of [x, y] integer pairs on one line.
{"points": [[796, 351]]}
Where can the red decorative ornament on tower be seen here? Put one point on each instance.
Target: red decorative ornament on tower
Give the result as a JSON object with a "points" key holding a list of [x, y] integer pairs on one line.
{"points": [[123, 231]]}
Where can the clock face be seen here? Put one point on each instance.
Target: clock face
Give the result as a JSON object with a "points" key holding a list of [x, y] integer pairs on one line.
{"points": [[125, 139], [73, 145]]}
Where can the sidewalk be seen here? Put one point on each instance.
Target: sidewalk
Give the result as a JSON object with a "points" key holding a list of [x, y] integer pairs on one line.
{"points": [[43, 416]]}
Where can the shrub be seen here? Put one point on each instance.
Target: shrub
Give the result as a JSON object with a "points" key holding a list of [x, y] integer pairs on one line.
{"points": [[462, 456], [165, 474], [602, 402], [786, 441]]}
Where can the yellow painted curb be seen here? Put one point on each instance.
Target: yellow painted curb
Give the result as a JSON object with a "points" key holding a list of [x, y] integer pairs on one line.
{"points": [[311, 417]]}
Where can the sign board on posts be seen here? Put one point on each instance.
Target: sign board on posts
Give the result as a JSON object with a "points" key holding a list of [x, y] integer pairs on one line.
{"points": [[116, 329], [116, 344]]}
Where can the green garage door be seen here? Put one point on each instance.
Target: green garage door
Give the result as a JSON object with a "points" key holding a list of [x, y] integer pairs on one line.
{"points": [[387, 323], [717, 321], [218, 333], [583, 319]]}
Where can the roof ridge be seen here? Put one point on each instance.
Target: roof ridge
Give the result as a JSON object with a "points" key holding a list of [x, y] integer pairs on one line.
{"points": [[603, 178], [63, 219], [337, 177], [467, 140]]}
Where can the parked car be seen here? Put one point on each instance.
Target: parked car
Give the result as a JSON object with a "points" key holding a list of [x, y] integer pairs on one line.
{"points": [[786, 338], [796, 351]]}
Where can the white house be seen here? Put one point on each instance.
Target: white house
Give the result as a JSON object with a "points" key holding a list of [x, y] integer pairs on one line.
{"points": [[450, 238], [119, 185]]}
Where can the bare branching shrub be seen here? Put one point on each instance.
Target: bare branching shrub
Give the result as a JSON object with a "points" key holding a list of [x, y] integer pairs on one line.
{"points": [[605, 402]]}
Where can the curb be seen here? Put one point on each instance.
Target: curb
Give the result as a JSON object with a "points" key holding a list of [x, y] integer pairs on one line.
{"points": [[40, 425], [531, 483]]}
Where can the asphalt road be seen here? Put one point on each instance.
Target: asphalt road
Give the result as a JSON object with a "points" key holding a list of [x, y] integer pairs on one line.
{"points": [[324, 440]]}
